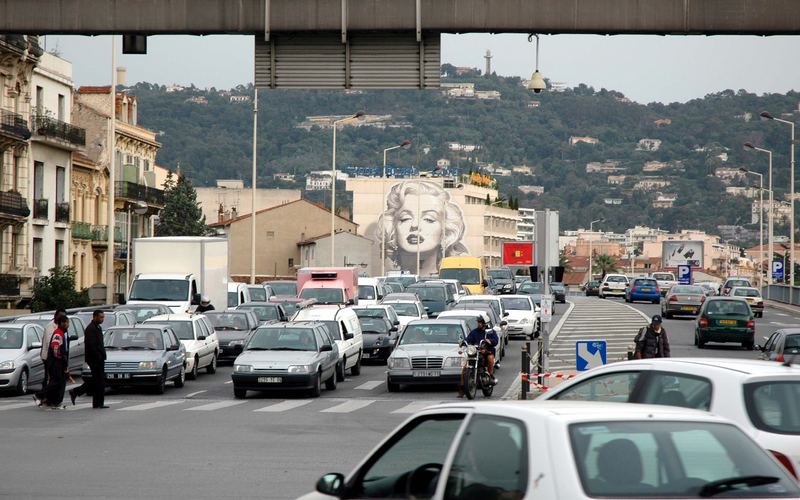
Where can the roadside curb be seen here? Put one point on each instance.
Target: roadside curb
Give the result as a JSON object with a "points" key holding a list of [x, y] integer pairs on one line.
{"points": [[516, 386], [782, 306], [646, 317]]}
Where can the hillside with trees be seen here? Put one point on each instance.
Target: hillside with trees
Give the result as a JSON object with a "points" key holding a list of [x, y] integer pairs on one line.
{"points": [[209, 134]]}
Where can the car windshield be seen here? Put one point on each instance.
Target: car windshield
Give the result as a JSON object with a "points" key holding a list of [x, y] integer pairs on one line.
{"points": [[10, 338], [323, 295], [282, 339], [227, 321], [464, 275], [640, 282], [557, 287], [772, 405], [516, 303], [746, 292], [233, 299], [616, 279], [393, 287], [491, 303], [663, 276], [690, 290], [532, 287], [727, 308], [501, 274], [183, 329], [373, 325], [163, 290], [145, 339], [403, 280], [257, 293], [674, 459], [263, 312], [366, 292], [109, 320], [429, 293], [735, 283], [289, 306], [143, 313], [284, 288], [432, 334], [471, 321], [370, 313], [405, 308]]}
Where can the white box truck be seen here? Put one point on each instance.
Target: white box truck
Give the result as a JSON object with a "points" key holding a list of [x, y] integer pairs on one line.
{"points": [[178, 270]]}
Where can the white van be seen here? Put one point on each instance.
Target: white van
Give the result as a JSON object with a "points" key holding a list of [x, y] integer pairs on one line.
{"points": [[370, 291], [241, 293], [346, 331]]}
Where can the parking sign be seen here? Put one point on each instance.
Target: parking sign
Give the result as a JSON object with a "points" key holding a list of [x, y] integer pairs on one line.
{"points": [[777, 270], [685, 275]]}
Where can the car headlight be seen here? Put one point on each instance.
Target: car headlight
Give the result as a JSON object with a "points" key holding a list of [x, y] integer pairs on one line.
{"points": [[299, 369], [453, 362], [7, 365], [147, 365], [236, 342], [524, 321], [242, 368], [398, 363], [507, 287]]}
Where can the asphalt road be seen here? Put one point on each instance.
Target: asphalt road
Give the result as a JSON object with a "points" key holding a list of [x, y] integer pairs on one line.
{"points": [[199, 442]]}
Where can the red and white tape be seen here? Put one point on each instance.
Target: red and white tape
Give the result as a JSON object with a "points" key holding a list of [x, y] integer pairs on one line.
{"points": [[551, 375]]}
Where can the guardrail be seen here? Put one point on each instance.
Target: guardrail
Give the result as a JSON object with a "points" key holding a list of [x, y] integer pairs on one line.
{"points": [[782, 293]]}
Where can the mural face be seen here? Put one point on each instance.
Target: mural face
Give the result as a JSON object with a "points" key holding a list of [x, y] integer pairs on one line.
{"points": [[420, 219]]}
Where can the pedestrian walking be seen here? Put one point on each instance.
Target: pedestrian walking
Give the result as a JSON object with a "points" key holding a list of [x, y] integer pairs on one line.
{"points": [[58, 364], [205, 305], [48, 334], [96, 359], [652, 341]]}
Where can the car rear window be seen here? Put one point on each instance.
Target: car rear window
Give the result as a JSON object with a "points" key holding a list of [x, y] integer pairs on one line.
{"points": [[746, 292], [366, 292], [733, 283], [772, 406], [646, 283], [727, 307], [616, 279], [516, 304], [696, 290]]}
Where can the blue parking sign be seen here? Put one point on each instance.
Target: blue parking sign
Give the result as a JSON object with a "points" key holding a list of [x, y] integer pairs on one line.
{"points": [[685, 275], [777, 270], [589, 354]]}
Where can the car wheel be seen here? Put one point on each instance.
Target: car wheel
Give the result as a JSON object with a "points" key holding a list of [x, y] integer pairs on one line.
{"points": [[316, 389], [667, 315], [193, 374], [340, 370], [239, 393], [601, 296], [22, 383], [330, 384], [212, 368], [656, 301], [162, 382], [356, 369], [701, 344], [748, 345], [391, 386], [181, 380]]}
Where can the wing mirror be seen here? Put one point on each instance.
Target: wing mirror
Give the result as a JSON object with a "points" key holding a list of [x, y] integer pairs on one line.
{"points": [[326, 348], [174, 347], [73, 337], [503, 323], [427, 309], [396, 322], [348, 336], [505, 314], [196, 299], [331, 484], [201, 337], [237, 349], [36, 345], [393, 329]]}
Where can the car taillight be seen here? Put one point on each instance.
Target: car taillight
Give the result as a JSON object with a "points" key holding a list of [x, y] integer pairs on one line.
{"points": [[703, 323], [780, 358], [658, 290], [751, 324], [673, 298], [702, 298], [633, 288], [784, 460], [605, 284]]}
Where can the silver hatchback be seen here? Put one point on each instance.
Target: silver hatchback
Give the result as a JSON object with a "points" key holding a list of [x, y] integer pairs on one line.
{"points": [[20, 363], [682, 299]]}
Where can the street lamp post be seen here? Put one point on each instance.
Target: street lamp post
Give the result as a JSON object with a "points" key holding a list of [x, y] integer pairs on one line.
{"points": [[768, 116], [333, 184], [591, 226], [760, 224], [405, 145], [139, 208], [771, 214]]}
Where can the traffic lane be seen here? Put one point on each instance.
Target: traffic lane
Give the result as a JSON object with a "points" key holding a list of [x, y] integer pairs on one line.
{"points": [[681, 333]]}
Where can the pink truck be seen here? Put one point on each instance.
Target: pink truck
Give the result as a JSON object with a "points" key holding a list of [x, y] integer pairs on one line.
{"points": [[329, 285]]}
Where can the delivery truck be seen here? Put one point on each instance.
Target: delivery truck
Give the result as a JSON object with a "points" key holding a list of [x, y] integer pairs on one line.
{"points": [[178, 271], [329, 285]]}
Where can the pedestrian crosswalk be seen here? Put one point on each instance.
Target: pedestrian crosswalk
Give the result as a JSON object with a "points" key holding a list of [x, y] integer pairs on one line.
{"points": [[595, 319]]}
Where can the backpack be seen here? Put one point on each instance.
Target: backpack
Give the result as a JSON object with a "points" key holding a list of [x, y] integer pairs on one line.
{"points": [[639, 338]]}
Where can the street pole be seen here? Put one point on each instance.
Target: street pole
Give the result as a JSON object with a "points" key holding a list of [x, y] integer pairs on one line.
{"points": [[333, 197], [591, 231], [380, 214], [128, 252], [761, 233], [419, 195], [253, 192], [112, 156], [771, 220]]}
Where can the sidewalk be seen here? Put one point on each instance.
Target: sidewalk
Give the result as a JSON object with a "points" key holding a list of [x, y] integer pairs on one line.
{"points": [[783, 307]]}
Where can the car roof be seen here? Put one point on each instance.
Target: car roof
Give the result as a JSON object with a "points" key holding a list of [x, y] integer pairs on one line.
{"points": [[436, 322], [462, 312], [746, 288], [515, 296], [140, 326], [400, 296], [724, 298], [731, 366], [479, 297], [293, 324], [171, 317], [424, 284], [737, 279]]}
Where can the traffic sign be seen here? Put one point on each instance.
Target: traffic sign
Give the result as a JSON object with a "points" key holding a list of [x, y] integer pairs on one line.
{"points": [[777, 270], [518, 253], [684, 275], [546, 310], [589, 354]]}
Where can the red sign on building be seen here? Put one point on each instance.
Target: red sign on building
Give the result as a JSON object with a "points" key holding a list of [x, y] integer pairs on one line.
{"points": [[518, 253]]}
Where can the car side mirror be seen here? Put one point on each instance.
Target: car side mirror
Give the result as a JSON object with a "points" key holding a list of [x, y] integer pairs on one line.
{"points": [[348, 336], [484, 283], [73, 337], [196, 299], [36, 345], [505, 314], [503, 323], [350, 302], [173, 347], [331, 484], [396, 322], [238, 349], [427, 309], [326, 348], [393, 329]]}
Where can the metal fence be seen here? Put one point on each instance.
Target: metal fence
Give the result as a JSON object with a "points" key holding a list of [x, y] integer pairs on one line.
{"points": [[782, 293]]}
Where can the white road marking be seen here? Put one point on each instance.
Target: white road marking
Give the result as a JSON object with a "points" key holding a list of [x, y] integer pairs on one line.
{"points": [[780, 314], [368, 386], [285, 406], [215, 406], [18, 405], [152, 406], [349, 406], [85, 406], [229, 382], [193, 394], [416, 406]]}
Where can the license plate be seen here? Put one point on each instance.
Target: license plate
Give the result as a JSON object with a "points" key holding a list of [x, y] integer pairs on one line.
{"points": [[366, 355], [118, 375], [688, 308], [270, 380], [646, 290], [426, 373], [727, 322]]}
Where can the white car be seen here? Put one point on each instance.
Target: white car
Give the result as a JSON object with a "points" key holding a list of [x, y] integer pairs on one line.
{"points": [[562, 451], [345, 329], [760, 396], [198, 336], [523, 315], [665, 281], [407, 310], [496, 304], [613, 285], [752, 296], [370, 291]]}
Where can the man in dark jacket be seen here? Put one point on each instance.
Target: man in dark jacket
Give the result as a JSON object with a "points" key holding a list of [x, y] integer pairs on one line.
{"points": [[95, 358], [205, 305], [653, 342]]}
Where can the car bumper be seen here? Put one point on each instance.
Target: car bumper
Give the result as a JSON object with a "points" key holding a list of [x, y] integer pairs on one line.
{"points": [[614, 291], [9, 380], [446, 376], [250, 381], [757, 307], [226, 353], [592, 292], [518, 329], [650, 296], [374, 352], [727, 335], [127, 379], [678, 308]]}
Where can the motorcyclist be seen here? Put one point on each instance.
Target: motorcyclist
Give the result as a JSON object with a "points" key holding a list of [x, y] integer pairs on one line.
{"points": [[480, 334]]}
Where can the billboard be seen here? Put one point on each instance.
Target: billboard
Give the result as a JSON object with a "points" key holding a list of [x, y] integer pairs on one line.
{"points": [[518, 253], [682, 253]]}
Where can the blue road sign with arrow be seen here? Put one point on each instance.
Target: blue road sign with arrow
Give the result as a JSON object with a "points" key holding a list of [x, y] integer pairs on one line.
{"points": [[589, 354]]}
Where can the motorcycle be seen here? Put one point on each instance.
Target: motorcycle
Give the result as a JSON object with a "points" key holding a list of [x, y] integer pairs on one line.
{"points": [[476, 375]]}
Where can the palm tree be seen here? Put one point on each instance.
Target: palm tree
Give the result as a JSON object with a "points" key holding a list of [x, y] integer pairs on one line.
{"points": [[604, 264], [564, 261]]}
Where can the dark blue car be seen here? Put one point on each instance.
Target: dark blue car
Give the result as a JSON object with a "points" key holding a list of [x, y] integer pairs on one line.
{"points": [[645, 289]]}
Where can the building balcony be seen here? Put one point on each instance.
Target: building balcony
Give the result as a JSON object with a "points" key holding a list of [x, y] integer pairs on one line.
{"points": [[63, 133], [138, 192], [40, 208], [9, 285], [13, 129], [13, 208], [81, 231], [62, 212], [99, 235]]}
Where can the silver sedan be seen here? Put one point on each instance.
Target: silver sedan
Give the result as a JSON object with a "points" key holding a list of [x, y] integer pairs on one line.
{"points": [[21, 366], [682, 299]]}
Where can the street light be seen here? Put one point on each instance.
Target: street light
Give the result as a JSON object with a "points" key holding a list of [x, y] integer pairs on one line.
{"points": [[139, 208], [760, 224], [536, 83], [404, 145], [336, 123], [591, 229], [749, 146], [766, 115]]}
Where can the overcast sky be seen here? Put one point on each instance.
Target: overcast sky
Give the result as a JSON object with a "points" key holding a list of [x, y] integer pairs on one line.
{"points": [[644, 68]]}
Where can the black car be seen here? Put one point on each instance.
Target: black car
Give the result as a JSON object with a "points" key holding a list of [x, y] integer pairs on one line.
{"points": [[232, 329], [559, 292], [379, 336], [265, 311], [531, 288], [436, 297], [504, 282]]}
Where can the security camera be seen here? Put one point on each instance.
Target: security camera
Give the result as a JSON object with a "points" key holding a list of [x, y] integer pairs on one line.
{"points": [[537, 83]]}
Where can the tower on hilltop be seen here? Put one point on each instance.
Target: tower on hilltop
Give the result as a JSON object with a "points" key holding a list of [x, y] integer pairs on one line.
{"points": [[488, 58]]}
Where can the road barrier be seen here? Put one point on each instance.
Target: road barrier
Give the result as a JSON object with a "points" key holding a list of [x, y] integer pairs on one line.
{"points": [[782, 293]]}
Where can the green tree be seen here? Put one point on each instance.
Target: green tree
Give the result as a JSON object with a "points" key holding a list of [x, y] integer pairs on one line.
{"points": [[564, 262], [182, 215], [57, 290], [603, 264]]}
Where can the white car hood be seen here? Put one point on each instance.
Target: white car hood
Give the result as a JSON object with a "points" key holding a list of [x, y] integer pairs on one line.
{"points": [[11, 354], [266, 360], [518, 315], [412, 350]]}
